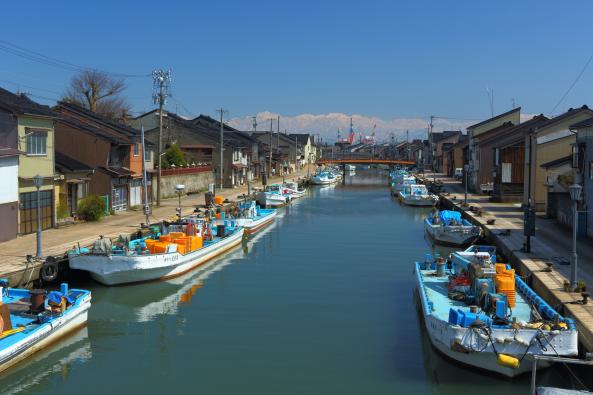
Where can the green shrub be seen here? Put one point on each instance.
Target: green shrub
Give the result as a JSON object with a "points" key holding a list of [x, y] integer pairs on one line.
{"points": [[63, 210], [91, 208], [173, 156]]}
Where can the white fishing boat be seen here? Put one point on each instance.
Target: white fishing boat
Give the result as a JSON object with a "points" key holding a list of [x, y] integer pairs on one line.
{"points": [[273, 196], [449, 228], [417, 195], [323, 178], [147, 259], [292, 187], [400, 182], [482, 315], [350, 167], [32, 320], [253, 218]]}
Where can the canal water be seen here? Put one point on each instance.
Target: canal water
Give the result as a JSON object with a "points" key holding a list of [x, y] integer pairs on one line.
{"points": [[321, 302]]}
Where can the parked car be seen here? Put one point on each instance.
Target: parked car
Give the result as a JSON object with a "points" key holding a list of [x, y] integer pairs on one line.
{"points": [[458, 173]]}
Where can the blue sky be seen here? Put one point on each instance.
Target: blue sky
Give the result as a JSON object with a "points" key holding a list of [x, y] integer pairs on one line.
{"points": [[385, 59]]}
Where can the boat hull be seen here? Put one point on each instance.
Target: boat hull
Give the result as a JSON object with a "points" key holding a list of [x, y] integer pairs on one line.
{"points": [[271, 199], [415, 201], [74, 319], [253, 226], [121, 269], [321, 181], [455, 236]]}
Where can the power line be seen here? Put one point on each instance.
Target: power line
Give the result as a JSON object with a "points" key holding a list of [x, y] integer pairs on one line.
{"points": [[573, 84], [17, 84], [50, 61], [183, 107]]}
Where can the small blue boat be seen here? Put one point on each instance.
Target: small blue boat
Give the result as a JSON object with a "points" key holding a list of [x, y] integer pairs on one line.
{"points": [[31, 319]]}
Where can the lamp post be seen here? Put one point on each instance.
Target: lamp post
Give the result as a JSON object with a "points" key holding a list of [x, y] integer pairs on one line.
{"points": [[179, 189], [38, 182], [466, 171], [575, 195]]}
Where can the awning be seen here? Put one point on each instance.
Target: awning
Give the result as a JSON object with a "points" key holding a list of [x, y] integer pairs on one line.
{"points": [[117, 171]]}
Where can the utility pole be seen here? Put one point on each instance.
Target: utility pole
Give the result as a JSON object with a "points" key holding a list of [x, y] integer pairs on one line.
{"points": [[160, 91], [408, 144], [278, 132], [432, 153], [221, 111], [254, 123], [271, 132], [296, 153]]}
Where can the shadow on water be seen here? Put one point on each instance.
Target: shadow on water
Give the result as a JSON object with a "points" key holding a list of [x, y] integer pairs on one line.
{"points": [[41, 370]]}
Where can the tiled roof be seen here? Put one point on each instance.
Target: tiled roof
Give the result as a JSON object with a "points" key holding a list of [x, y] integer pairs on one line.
{"points": [[6, 152], [67, 163], [90, 116], [21, 104], [558, 162], [504, 114]]}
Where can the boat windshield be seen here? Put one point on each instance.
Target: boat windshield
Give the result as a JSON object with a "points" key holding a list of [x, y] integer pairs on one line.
{"points": [[419, 190]]}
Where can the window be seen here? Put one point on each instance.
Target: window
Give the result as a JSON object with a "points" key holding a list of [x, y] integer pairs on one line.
{"points": [[147, 153], [36, 143], [136, 149]]}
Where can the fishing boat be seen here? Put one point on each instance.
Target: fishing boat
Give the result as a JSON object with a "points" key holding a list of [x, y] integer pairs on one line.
{"points": [[180, 248], [397, 173], [417, 195], [32, 319], [273, 196], [449, 228], [292, 187], [400, 182], [254, 218], [350, 167], [323, 178], [482, 315]]}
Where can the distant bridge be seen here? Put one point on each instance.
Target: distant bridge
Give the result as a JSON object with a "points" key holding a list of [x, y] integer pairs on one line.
{"points": [[353, 161]]}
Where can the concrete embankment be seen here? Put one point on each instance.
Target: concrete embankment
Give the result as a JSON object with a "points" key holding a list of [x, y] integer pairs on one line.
{"points": [[502, 224]]}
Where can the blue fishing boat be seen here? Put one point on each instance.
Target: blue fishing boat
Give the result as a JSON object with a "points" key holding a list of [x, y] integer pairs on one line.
{"points": [[254, 218], [32, 319], [481, 314], [449, 228]]}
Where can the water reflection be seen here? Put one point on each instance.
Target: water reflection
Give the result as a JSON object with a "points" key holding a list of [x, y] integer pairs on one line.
{"points": [[148, 301], [57, 360]]}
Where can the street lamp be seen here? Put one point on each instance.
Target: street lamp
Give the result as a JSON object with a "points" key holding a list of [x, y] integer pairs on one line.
{"points": [[466, 171], [38, 182], [179, 189], [575, 195]]}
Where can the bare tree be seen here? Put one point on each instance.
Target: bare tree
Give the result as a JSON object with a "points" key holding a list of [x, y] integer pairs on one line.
{"points": [[99, 93]]}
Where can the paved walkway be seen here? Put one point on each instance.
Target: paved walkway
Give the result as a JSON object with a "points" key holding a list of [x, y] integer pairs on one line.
{"points": [[552, 241], [57, 241], [551, 246]]}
